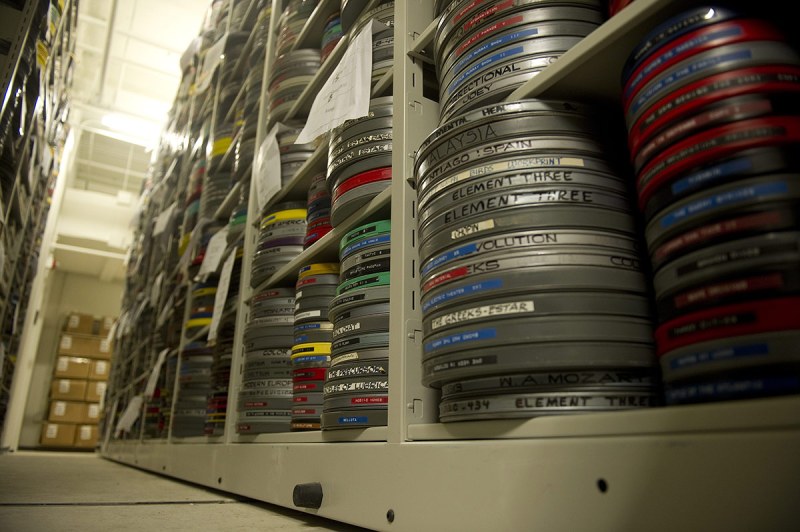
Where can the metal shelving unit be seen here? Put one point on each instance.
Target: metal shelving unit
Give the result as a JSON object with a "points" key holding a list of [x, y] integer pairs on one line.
{"points": [[35, 102], [716, 466]]}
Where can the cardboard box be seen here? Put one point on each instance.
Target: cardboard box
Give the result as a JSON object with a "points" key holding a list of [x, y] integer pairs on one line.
{"points": [[58, 435], [68, 367], [85, 346], [68, 389], [95, 391], [99, 370], [78, 323], [74, 412], [86, 436], [67, 412]]}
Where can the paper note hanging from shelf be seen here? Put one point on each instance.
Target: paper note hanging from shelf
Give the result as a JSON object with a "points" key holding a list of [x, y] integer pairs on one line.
{"points": [[112, 333], [165, 311], [267, 168], [214, 251], [194, 239], [211, 61], [130, 415], [155, 291], [221, 295], [150, 388], [163, 220], [346, 93]]}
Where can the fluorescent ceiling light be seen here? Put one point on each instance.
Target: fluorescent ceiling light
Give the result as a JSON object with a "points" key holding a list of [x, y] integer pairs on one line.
{"points": [[131, 126]]}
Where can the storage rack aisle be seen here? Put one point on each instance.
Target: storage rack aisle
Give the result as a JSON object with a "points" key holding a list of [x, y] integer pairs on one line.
{"points": [[416, 471], [36, 72]]}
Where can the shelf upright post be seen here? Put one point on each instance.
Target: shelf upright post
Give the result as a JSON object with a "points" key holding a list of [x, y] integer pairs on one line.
{"points": [[250, 238], [414, 117]]}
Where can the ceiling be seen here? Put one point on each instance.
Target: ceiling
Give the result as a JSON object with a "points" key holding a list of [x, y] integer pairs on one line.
{"points": [[126, 76], [127, 72]]}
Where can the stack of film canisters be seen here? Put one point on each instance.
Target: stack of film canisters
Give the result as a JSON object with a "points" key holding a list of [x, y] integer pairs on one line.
{"points": [[293, 156], [265, 398], [711, 104], [242, 159], [153, 416], [220, 376], [252, 95], [382, 53], [360, 160], [170, 376], [318, 206], [615, 6], [331, 35], [280, 239], [194, 389], [486, 50], [439, 6], [202, 310], [313, 333], [194, 191], [291, 23], [383, 13], [238, 218], [216, 185], [356, 392], [382, 41], [239, 19], [291, 73], [219, 142], [530, 266]]}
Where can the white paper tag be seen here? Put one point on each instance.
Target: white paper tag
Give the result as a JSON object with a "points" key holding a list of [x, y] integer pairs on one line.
{"points": [[150, 388], [66, 342], [167, 306], [211, 61], [100, 367], [60, 408], [52, 430], [346, 93], [186, 56], [214, 251], [221, 295], [131, 414], [47, 158], [163, 219], [63, 386], [267, 168], [105, 345], [120, 325], [86, 432], [155, 292], [74, 321], [307, 314], [93, 412], [62, 364]]}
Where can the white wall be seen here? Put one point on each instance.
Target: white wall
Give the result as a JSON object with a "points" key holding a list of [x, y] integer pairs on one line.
{"points": [[68, 292], [95, 216]]}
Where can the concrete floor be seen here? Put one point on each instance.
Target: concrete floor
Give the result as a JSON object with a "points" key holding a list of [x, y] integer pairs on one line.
{"points": [[79, 491]]}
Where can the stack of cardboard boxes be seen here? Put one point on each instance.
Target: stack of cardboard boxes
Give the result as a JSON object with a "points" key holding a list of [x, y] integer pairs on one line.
{"points": [[79, 382]]}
